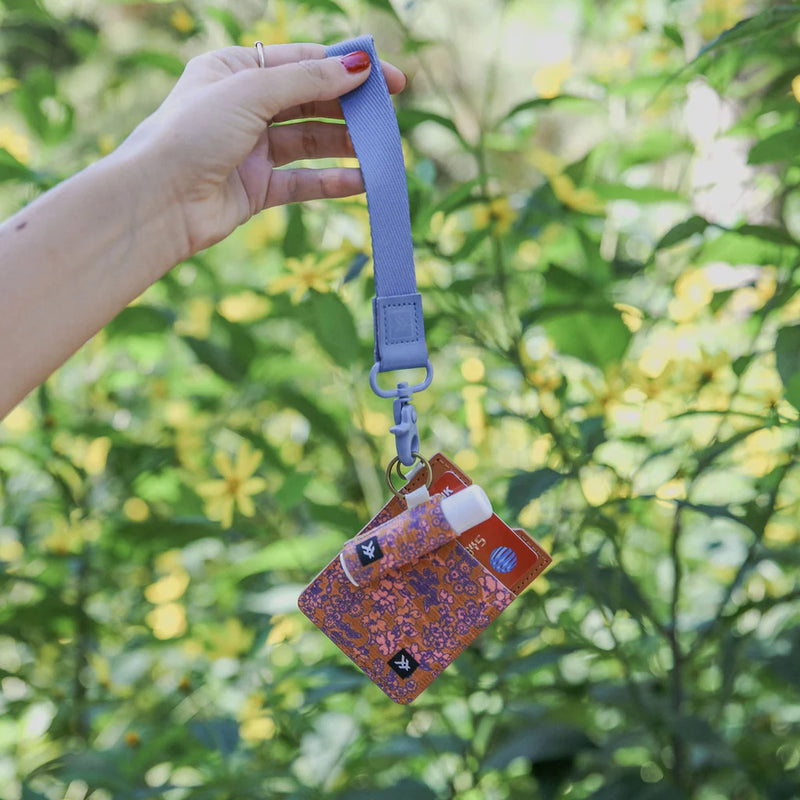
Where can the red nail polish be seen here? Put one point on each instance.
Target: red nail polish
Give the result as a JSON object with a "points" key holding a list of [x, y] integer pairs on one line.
{"points": [[355, 62]]}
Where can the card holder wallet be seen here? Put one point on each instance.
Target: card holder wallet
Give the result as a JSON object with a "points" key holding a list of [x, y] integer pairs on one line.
{"points": [[406, 627]]}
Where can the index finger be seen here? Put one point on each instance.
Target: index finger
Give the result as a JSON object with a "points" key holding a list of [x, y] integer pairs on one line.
{"points": [[266, 93], [237, 59]]}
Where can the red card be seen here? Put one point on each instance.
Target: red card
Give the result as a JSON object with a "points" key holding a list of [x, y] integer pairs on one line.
{"points": [[493, 543]]}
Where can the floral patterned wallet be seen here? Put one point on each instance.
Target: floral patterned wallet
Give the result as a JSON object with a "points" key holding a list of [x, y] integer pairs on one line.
{"points": [[404, 625]]}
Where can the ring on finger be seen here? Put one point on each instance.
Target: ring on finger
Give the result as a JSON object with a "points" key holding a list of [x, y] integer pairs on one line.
{"points": [[260, 51]]}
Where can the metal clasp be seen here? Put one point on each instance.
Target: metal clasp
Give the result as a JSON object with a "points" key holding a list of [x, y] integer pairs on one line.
{"points": [[405, 415], [406, 435]]}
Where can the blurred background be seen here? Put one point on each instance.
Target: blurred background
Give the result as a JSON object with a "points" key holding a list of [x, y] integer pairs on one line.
{"points": [[605, 199]]}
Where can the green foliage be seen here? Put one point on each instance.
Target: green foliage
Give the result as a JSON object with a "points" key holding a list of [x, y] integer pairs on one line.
{"points": [[606, 227]]}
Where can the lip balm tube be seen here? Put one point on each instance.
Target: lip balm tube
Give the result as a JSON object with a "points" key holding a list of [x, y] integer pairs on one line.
{"points": [[408, 536]]}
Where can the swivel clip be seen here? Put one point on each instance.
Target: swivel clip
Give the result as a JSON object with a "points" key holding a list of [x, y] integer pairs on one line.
{"points": [[404, 429]]}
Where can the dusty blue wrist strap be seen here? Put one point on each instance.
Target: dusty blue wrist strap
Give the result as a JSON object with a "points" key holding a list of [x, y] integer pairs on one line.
{"points": [[397, 306]]}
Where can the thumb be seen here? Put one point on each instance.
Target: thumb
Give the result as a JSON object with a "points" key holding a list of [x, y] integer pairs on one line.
{"points": [[269, 91]]}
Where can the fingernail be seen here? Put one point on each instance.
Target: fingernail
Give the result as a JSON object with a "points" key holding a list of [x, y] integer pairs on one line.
{"points": [[355, 62]]}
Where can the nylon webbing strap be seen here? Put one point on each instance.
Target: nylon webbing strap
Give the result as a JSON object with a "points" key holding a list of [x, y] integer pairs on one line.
{"points": [[397, 306]]}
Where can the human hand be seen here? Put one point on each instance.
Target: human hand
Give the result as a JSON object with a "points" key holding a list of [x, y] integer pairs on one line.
{"points": [[213, 147]]}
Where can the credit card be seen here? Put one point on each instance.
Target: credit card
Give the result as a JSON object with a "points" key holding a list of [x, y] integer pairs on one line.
{"points": [[494, 544]]}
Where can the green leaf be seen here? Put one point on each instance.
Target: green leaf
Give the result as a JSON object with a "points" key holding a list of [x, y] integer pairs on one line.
{"points": [[682, 231], [141, 320], [768, 22], [541, 744], [782, 146], [323, 423], [768, 233], [787, 354], [13, 170], [295, 240], [527, 486], [300, 553], [333, 326], [637, 194], [546, 102], [707, 746], [164, 62], [220, 735], [405, 789], [219, 358], [592, 434], [673, 34], [291, 491], [735, 247], [631, 785], [597, 336], [326, 6], [409, 118], [228, 351], [30, 794], [228, 21], [44, 111]]}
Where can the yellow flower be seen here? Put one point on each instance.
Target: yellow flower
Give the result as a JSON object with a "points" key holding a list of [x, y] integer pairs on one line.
{"points": [[169, 588], [552, 167], [634, 23], [284, 626], [195, 319], [258, 729], [10, 547], [105, 143], [474, 413], [257, 722], [276, 32], [497, 213], [20, 420], [222, 497], [265, 229], [230, 640], [597, 483], [69, 536], [94, 461], [548, 80], [304, 274], [168, 621], [246, 306], [182, 20], [693, 293], [16, 144], [135, 509], [719, 15], [473, 369], [8, 85]]}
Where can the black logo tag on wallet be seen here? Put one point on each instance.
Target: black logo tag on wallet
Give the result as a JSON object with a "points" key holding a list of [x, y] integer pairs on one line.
{"points": [[403, 663], [369, 551]]}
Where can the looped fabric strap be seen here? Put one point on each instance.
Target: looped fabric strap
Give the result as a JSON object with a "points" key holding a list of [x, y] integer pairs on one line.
{"points": [[397, 306]]}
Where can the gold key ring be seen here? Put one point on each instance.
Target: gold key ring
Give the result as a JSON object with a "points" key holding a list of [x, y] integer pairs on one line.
{"points": [[395, 463]]}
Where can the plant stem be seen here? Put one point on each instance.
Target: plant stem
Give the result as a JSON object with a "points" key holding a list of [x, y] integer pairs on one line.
{"points": [[679, 766]]}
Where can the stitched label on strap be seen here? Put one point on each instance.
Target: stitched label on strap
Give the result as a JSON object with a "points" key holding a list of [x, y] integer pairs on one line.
{"points": [[399, 332], [400, 323]]}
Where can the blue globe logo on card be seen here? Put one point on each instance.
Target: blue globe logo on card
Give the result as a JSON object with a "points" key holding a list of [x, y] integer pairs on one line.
{"points": [[503, 559]]}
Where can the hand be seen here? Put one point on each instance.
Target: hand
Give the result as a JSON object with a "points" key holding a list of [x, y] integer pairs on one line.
{"points": [[213, 147]]}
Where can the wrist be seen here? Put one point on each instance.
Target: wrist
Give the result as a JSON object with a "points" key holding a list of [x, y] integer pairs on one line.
{"points": [[151, 207]]}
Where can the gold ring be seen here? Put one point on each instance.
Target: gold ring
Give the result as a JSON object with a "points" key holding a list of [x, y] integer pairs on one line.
{"points": [[260, 50], [395, 463]]}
